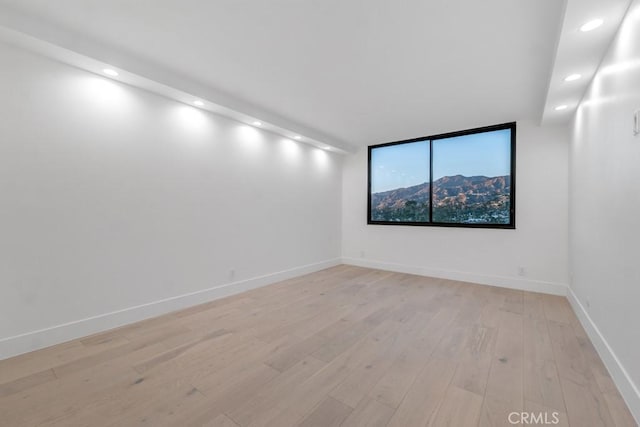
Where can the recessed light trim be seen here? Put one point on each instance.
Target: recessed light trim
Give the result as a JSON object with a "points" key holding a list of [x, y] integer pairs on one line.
{"points": [[591, 25], [573, 77], [561, 107], [110, 72], [201, 103]]}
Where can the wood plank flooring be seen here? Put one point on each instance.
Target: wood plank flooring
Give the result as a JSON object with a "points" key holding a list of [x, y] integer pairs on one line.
{"points": [[346, 346]]}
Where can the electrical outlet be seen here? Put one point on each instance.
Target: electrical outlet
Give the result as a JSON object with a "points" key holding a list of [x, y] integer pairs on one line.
{"points": [[232, 274], [521, 271]]}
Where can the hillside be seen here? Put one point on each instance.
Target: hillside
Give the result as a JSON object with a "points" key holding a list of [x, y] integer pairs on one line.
{"points": [[476, 199]]}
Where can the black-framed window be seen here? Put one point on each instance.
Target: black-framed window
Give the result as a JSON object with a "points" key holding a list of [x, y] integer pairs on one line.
{"points": [[458, 179]]}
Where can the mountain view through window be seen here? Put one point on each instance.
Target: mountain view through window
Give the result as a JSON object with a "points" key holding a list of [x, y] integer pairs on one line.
{"points": [[457, 179]]}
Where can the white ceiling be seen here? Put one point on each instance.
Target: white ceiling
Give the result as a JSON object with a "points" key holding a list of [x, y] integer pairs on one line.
{"points": [[359, 71], [580, 53], [346, 73]]}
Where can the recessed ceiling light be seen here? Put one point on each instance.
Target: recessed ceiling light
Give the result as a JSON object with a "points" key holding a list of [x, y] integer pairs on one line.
{"points": [[298, 137], [198, 103], [591, 25], [561, 107], [257, 123], [327, 148], [572, 77], [110, 72]]}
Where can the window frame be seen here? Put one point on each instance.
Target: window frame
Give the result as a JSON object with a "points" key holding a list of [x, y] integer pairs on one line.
{"points": [[512, 212]]}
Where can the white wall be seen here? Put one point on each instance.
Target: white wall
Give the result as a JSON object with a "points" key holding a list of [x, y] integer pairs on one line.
{"points": [[605, 210], [113, 198], [539, 244]]}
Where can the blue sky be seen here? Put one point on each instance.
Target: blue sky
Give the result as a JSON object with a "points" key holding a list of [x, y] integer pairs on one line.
{"points": [[399, 166], [487, 154], [404, 165]]}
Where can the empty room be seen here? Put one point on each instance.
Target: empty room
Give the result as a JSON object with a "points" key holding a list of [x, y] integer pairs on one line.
{"points": [[245, 213]]}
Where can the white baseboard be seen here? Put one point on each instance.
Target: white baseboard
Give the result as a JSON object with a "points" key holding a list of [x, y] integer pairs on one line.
{"points": [[34, 340], [628, 389], [501, 281]]}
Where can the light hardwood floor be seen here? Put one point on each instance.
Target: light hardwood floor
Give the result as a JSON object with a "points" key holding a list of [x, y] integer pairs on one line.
{"points": [[346, 346]]}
